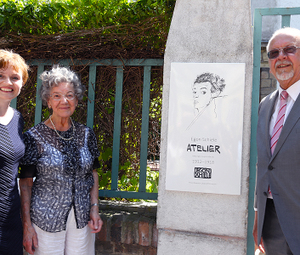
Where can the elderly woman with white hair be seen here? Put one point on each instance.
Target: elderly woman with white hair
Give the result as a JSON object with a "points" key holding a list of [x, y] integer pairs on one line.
{"points": [[60, 207]]}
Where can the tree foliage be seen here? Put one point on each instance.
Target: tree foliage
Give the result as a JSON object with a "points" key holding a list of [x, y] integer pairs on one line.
{"points": [[41, 17]]}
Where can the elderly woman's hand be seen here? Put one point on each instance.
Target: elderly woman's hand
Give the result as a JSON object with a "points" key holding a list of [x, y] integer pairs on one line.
{"points": [[30, 241], [95, 223]]}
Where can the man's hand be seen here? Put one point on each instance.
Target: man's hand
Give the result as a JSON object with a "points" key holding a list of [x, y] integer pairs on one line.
{"points": [[260, 245]]}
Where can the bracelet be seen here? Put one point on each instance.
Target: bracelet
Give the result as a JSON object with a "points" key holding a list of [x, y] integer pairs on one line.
{"points": [[95, 204]]}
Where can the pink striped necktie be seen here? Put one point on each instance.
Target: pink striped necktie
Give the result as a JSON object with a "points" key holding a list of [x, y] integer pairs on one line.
{"points": [[278, 126], [279, 121]]}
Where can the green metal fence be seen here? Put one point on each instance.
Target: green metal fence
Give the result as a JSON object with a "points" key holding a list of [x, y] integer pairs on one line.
{"points": [[285, 14], [146, 64]]}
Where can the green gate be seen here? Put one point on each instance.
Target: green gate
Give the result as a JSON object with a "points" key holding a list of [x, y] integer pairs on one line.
{"points": [[285, 14], [119, 65]]}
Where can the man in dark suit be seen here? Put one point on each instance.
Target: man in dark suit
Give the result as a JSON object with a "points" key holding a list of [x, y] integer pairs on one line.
{"points": [[277, 196]]}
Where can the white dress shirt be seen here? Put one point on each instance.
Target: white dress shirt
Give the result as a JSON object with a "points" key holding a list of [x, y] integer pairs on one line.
{"points": [[293, 92]]}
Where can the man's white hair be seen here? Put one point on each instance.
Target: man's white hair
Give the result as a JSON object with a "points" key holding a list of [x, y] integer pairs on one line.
{"points": [[287, 31]]}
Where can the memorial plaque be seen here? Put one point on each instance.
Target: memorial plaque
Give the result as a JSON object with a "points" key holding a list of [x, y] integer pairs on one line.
{"points": [[205, 127]]}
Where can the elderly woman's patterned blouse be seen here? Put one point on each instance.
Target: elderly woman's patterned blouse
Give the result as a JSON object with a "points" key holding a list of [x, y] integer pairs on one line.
{"points": [[63, 171]]}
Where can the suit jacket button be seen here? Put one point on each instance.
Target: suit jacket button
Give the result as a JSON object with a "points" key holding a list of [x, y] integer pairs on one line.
{"points": [[270, 167]]}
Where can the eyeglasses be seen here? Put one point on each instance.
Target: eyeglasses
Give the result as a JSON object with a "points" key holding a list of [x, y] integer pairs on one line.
{"points": [[57, 96], [288, 50]]}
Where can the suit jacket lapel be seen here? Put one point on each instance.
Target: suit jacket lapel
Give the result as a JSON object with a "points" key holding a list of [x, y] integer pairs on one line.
{"points": [[290, 122]]}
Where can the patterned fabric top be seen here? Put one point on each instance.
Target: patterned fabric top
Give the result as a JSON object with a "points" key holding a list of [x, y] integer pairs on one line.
{"points": [[63, 171], [11, 151]]}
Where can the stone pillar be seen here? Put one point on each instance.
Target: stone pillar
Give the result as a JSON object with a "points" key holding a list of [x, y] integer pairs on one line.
{"points": [[214, 31]]}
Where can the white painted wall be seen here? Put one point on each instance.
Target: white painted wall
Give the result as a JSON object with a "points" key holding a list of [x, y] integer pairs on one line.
{"points": [[190, 223]]}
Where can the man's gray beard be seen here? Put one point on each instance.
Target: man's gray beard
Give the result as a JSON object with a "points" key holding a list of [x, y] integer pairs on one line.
{"points": [[285, 76]]}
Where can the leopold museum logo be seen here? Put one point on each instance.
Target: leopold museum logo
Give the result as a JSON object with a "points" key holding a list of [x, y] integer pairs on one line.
{"points": [[202, 172]]}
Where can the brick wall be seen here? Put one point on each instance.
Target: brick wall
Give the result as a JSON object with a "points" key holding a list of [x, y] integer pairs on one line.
{"points": [[127, 229], [268, 82]]}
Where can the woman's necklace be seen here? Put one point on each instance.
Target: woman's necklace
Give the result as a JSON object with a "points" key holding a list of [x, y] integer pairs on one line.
{"points": [[66, 139]]}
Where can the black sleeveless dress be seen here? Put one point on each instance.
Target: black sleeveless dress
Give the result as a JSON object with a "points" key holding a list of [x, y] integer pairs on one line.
{"points": [[11, 151]]}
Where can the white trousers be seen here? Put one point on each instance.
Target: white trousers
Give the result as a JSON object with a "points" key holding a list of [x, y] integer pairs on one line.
{"points": [[73, 241]]}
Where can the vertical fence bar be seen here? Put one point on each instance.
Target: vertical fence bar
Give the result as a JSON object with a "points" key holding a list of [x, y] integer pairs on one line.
{"points": [[13, 103], [38, 101], [117, 128], [145, 128], [91, 96], [254, 118], [285, 20]]}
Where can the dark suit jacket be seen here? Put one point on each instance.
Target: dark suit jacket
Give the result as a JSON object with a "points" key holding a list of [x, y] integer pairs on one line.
{"points": [[281, 171]]}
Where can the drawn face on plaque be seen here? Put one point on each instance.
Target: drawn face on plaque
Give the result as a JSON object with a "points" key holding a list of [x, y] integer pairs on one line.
{"points": [[202, 95]]}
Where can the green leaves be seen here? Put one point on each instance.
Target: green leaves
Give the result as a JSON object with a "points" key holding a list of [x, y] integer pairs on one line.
{"points": [[61, 16]]}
